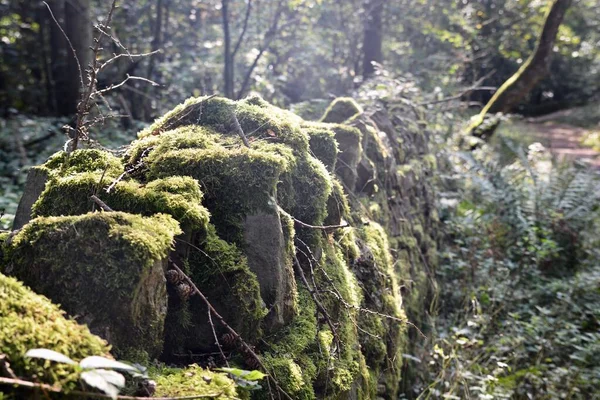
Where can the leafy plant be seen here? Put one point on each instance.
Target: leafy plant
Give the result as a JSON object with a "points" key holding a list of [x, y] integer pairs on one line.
{"points": [[95, 371], [245, 379]]}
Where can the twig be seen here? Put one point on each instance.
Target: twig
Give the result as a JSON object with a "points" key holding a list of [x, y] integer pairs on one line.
{"points": [[100, 203], [79, 393], [317, 227], [315, 298], [118, 85], [239, 130], [212, 326], [237, 337]]}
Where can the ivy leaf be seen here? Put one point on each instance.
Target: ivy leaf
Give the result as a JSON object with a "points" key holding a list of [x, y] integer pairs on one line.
{"points": [[104, 380], [95, 362], [51, 355]]}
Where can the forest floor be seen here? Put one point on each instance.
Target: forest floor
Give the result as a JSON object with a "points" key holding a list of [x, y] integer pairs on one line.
{"points": [[563, 133]]}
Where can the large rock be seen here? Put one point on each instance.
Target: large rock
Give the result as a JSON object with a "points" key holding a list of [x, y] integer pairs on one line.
{"points": [[105, 269]]}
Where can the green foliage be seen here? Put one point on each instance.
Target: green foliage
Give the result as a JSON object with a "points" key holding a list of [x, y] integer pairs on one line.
{"points": [[95, 371], [30, 320], [519, 304]]}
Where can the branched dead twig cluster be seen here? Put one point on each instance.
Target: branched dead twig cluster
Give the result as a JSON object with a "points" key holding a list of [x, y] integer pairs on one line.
{"points": [[91, 94]]}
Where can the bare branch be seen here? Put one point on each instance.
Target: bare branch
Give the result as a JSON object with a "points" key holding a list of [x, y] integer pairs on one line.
{"points": [[79, 393], [245, 345], [68, 41], [101, 204], [131, 56]]}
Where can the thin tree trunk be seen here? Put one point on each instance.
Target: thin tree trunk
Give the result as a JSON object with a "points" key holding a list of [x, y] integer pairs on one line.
{"points": [[373, 36], [228, 71], [518, 86], [79, 31], [58, 59]]}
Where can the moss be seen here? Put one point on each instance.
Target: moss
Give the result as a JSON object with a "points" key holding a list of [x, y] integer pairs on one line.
{"points": [[193, 381], [257, 119], [83, 160], [337, 205], [80, 261], [237, 296], [322, 143], [28, 321], [341, 109], [178, 196]]}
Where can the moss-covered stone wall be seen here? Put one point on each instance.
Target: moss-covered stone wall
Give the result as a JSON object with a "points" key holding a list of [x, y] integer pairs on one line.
{"points": [[315, 242]]}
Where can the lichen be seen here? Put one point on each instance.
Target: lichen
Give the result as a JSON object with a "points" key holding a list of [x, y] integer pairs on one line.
{"points": [[341, 109], [80, 261], [29, 321]]}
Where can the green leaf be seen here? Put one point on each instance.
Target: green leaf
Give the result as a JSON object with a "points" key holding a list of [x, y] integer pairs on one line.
{"points": [[51, 355], [242, 373], [103, 381], [96, 362]]}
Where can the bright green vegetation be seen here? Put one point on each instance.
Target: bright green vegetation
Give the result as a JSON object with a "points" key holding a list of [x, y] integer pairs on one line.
{"points": [[83, 261], [31, 321], [191, 198], [519, 302]]}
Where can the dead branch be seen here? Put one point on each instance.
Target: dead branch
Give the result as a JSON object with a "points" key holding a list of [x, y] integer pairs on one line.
{"points": [[131, 56], [101, 204], [316, 300], [124, 81], [217, 342], [317, 227], [68, 41], [232, 331], [79, 393], [239, 130]]}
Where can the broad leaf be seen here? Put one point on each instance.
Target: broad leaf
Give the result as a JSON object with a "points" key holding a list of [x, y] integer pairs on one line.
{"points": [[49, 355], [96, 362], [100, 380]]}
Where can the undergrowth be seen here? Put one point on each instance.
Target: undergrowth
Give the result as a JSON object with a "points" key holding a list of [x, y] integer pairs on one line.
{"points": [[520, 304]]}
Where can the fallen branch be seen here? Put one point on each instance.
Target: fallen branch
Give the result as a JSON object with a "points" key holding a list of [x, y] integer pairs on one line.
{"points": [[232, 331], [79, 393], [239, 130]]}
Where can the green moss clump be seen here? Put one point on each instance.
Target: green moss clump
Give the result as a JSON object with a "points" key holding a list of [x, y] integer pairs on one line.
{"points": [[322, 143], [178, 196], [341, 110], [81, 261], [193, 381], [83, 160], [28, 321], [257, 119]]}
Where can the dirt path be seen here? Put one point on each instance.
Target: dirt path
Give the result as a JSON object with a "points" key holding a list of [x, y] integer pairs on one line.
{"points": [[564, 140]]}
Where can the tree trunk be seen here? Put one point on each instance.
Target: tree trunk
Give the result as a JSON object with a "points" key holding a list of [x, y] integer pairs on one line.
{"points": [[58, 59], [228, 71], [79, 31], [535, 68], [373, 36]]}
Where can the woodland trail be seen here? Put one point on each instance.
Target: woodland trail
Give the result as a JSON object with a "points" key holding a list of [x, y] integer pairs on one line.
{"points": [[562, 139]]}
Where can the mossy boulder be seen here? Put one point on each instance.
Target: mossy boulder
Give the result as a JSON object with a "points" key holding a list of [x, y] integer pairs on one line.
{"points": [[341, 110], [29, 321], [322, 306], [105, 268]]}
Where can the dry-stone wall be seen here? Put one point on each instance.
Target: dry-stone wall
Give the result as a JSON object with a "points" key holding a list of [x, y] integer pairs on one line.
{"points": [[314, 240]]}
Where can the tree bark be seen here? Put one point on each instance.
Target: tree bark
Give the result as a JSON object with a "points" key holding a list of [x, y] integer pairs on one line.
{"points": [[79, 31], [228, 72], [510, 94], [373, 36]]}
